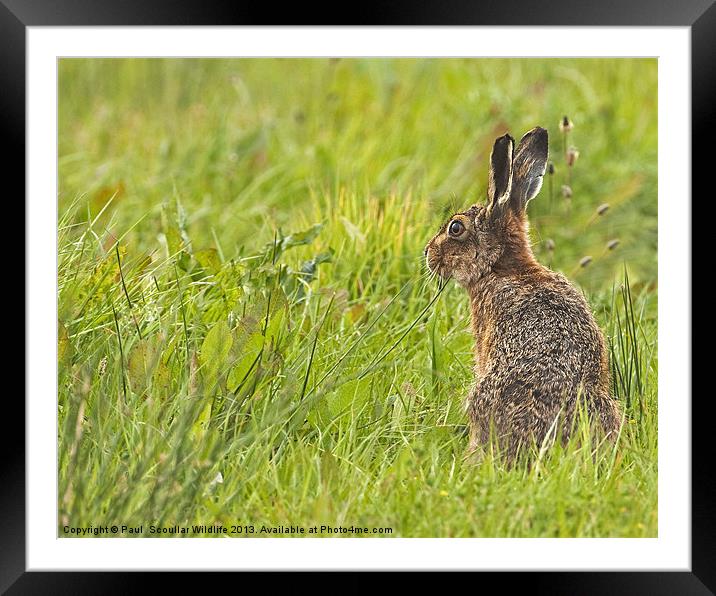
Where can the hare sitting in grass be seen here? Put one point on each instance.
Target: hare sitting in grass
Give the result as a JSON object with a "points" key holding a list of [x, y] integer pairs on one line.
{"points": [[539, 353]]}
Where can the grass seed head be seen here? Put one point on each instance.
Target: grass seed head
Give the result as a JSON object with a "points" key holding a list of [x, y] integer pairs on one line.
{"points": [[572, 156], [565, 125], [602, 209], [585, 261], [566, 191], [102, 366]]}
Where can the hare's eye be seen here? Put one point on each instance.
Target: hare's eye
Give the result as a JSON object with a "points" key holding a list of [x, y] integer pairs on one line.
{"points": [[456, 228]]}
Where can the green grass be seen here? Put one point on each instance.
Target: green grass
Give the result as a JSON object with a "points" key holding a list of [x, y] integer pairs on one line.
{"points": [[241, 291]]}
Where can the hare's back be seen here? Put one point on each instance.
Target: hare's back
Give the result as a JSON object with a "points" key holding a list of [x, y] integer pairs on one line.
{"points": [[547, 325]]}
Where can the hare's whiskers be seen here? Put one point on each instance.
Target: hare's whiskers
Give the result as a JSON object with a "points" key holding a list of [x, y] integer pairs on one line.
{"points": [[377, 360]]}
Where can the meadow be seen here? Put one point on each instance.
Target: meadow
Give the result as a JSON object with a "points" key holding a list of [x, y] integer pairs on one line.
{"points": [[246, 331]]}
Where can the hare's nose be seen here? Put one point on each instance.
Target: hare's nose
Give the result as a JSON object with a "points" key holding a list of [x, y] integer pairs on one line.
{"points": [[425, 252]]}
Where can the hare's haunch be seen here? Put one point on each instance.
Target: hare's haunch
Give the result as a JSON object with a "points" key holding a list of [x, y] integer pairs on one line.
{"points": [[539, 353]]}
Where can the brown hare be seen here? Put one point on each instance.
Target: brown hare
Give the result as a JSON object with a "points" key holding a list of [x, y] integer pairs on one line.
{"points": [[538, 350]]}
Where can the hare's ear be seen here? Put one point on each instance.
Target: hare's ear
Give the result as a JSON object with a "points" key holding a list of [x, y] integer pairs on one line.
{"points": [[528, 168], [500, 179]]}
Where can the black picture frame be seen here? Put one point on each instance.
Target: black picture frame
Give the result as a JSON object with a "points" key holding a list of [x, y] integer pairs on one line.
{"points": [[699, 15]]}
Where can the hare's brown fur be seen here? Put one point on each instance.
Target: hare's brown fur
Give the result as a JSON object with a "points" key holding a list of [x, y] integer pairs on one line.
{"points": [[538, 350]]}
